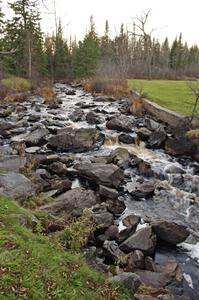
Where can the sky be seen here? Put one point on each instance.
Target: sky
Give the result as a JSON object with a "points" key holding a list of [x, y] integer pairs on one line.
{"points": [[168, 17]]}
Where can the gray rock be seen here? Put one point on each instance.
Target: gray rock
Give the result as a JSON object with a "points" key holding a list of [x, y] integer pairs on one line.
{"points": [[126, 138], [103, 174], [134, 260], [36, 137], [76, 140], [144, 240], [107, 193], [111, 251], [16, 185], [144, 133], [77, 115], [72, 203], [121, 123], [170, 232], [153, 279], [103, 220], [130, 280]]}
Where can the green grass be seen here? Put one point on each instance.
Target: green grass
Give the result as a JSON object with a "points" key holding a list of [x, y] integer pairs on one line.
{"points": [[34, 266], [172, 94]]}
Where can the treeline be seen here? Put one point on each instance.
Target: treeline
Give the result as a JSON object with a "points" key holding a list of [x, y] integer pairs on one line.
{"points": [[26, 51]]}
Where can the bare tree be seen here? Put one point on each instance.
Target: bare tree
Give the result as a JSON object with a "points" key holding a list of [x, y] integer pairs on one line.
{"points": [[194, 87]]}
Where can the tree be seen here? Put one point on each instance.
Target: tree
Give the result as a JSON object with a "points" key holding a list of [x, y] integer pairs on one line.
{"points": [[87, 54], [194, 87], [23, 33]]}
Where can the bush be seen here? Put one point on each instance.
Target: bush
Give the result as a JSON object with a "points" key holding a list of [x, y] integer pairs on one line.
{"points": [[76, 235], [112, 87], [16, 84], [48, 94]]}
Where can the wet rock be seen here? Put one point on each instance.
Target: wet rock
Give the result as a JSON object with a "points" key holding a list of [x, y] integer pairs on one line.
{"points": [[111, 252], [144, 133], [131, 222], [143, 190], [134, 260], [92, 119], [77, 115], [152, 125], [116, 206], [180, 146], [126, 138], [32, 150], [58, 168], [107, 193], [110, 234], [36, 137], [170, 232], [145, 168], [130, 280], [121, 123], [70, 92], [4, 128], [72, 203], [157, 139], [153, 279], [16, 185], [104, 99], [149, 264], [103, 220], [61, 186], [34, 118], [103, 174], [144, 239], [120, 157], [172, 269], [172, 169], [76, 140]]}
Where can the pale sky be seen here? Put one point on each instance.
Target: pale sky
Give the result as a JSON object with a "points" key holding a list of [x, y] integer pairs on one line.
{"points": [[170, 17]]}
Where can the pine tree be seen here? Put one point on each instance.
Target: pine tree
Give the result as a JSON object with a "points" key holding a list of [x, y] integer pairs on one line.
{"points": [[87, 54]]}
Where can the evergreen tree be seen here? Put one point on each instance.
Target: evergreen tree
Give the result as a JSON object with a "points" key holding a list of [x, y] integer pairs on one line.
{"points": [[87, 54]]}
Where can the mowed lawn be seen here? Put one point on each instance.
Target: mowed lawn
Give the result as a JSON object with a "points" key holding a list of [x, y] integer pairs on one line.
{"points": [[172, 94]]}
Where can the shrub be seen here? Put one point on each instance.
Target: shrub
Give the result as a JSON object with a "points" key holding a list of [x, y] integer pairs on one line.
{"points": [[16, 84], [193, 134], [112, 87], [48, 94], [76, 235]]}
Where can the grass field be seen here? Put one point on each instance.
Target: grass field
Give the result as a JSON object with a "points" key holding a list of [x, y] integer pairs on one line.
{"points": [[37, 267], [172, 94]]}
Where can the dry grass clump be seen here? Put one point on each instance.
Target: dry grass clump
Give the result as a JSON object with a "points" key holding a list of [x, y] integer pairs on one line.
{"points": [[193, 134], [112, 87], [48, 94]]}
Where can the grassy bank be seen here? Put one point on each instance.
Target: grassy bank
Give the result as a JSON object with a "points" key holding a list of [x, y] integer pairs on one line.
{"points": [[34, 266], [172, 94]]}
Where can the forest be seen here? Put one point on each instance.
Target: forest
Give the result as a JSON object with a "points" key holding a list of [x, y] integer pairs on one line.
{"points": [[28, 52]]}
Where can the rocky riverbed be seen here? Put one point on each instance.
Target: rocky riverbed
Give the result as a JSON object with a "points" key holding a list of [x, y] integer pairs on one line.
{"points": [[139, 176]]}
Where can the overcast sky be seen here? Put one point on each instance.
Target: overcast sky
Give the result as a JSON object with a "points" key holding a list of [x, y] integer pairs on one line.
{"points": [[170, 17]]}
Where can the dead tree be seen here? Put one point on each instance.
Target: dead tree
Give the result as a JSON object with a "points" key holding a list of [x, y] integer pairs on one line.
{"points": [[194, 87]]}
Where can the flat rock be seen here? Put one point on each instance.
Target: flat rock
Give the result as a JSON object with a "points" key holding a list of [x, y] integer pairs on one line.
{"points": [[103, 174], [72, 203], [76, 140], [16, 186]]}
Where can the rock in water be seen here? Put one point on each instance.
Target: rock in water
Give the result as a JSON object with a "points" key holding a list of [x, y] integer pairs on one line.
{"points": [[76, 140], [143, 240], [121, 123], [180, 146], [103, 174], [170, 232], [36, 137], [72, 203], [16, 186]]}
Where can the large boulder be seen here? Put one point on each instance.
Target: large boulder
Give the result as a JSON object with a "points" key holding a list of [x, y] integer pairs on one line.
{"points": [[180, 146], [76, 140], [153, 279], [121, 123], [144, 239], [170, 232], [16, 185], [157, 139], [72, 203], [103, 174], [36, 137]]}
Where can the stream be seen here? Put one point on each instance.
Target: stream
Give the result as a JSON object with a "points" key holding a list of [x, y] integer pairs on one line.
{"points": [[176, 180]]}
